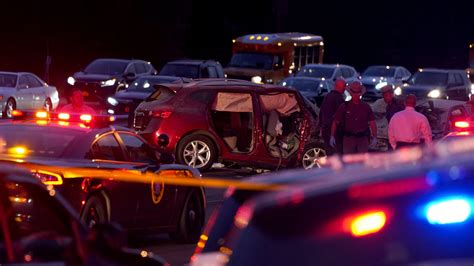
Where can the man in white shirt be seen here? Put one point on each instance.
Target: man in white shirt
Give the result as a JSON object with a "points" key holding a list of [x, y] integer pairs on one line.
{"points": [[408, 127]]}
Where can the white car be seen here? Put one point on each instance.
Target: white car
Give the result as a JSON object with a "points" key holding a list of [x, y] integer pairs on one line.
{"points": [[25, 91]]}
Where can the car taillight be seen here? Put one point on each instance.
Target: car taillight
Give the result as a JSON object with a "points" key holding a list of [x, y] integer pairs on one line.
{"points": [[64, 116], [85, 118], [448, 210], [16, 113], [48, 178], [162, 114], [461, 124], [366, 223], [41, 114]]}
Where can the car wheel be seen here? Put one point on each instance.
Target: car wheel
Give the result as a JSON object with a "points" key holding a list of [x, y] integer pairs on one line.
{"points": [[48, 106], [9, 107], [192, 219], [94, 212], [197, 151], [312, 156]]}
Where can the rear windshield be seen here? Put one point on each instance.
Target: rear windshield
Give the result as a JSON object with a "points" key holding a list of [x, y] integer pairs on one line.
{"points": [[379, 72], [38, 141], [180, 70], [8, 80]]}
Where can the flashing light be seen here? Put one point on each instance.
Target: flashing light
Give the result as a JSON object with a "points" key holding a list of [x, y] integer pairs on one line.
{"points": [[398, 91], [64, 116], [48, 178], [114, 102], [470, 46], [380, 85], [279, 44], [259, 38], [387, 67], [266, 38], [233, 40], [367, 223], [110, 111], [321, 44], [448, 211], [472, 88], [164, 114], [16, 113], [85, 118], [18, 150], [251, 37], [434, 94], [256, 79], [109, 82], [145, 86], [71, 81], [461, 124], [112, 118], [41, 114]]}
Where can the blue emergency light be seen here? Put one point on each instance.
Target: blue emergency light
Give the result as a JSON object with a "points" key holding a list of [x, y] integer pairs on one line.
{"points": [[449, 210]]}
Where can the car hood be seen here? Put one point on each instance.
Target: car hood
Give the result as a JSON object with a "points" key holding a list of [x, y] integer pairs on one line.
{"points": [[81, 76], [423, 87], [370, 80], [131, 95]]}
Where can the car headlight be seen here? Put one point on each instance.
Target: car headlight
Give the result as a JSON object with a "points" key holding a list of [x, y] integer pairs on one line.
{"points": [[109, 82], [472, 88], [269, 81], [434, 94], [256, 79], [398, 91], [112, 101], [71, 81], [380, 85]]}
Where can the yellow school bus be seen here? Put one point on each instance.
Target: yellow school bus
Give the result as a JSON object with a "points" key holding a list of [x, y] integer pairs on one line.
{"points": [[269, 58]]}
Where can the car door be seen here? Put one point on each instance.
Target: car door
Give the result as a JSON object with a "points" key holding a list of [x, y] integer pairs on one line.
{"points": [[461, 89], [157, 203], [24, 94], [124, 196], [37, 90]]}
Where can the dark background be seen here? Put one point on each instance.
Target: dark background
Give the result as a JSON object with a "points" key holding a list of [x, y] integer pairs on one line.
{"points": [[414, 34]]}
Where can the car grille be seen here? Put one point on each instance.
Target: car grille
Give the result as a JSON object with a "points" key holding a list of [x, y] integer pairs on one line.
{"points": [[239, 77], [141, 120], [420, 94]]}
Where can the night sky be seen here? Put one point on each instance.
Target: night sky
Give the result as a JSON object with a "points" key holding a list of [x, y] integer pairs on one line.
{"points": [[413, 34]]}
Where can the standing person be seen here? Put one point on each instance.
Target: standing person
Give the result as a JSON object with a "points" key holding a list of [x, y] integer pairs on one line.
{"points": [[357, 121], [406, 128], [331, 103], [77, 105]]}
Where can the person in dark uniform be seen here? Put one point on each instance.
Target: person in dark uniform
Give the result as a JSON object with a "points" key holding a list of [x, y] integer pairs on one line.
{"points": [[393, 104], [357, 122], [331, 103]]}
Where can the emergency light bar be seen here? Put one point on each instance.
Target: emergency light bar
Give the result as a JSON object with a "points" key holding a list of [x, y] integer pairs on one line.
{"points": [[69, 117]]}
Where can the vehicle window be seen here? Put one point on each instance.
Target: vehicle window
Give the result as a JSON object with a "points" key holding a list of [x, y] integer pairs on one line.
{"points": [[303, 85], [107, 148], [458, 79], [379, 71], [140, 68], [338, 73], [201, 96], [212, 72], [40, 141], [429, 78], [451, 80], [131, 69], [106, 67], [8, 80], [399, 74], [23, 82], [180, 70], [254, 60], [346, 72], [316, 72], [205, 73], [147, 84], [34, 82], [37, 224], [137, 150]]}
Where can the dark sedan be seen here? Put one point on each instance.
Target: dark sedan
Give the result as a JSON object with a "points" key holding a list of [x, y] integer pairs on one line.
{"points": [[124, 102], [314, 89], [37, 227], [150, 206]]}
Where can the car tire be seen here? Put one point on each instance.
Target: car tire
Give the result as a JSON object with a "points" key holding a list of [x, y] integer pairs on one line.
{"points": [[197, 151], [48, 105], [94, 212], [9, 107], [311, 153], [191, 220]]}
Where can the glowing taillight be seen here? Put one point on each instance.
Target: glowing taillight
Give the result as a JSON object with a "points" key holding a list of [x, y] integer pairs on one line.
{"points": [[48, 178], [85, 118], [41, 114], [16, 113], [164, 114], [64, 116], [111, 118], [367, 223], [448, 211], [461, 124]]}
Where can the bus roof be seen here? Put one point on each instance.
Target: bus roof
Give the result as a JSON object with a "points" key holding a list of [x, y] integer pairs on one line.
{"points": [[273, 38]]}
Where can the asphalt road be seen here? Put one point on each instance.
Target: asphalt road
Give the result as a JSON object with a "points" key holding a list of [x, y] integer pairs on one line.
{"points": [[179, 254]]}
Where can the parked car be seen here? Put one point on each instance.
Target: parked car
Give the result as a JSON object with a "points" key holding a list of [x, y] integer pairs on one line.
{"points": [[438, 84], [23, 90], [314, 89], [38, 227], [193, 69], [68, 141], [380, 75], [103, 77], [328, 72], [124, 102], [416, 213], [237, 121]]}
